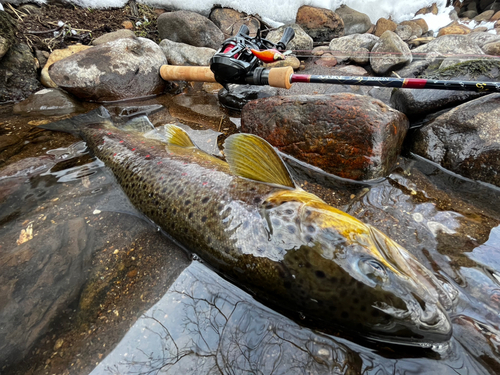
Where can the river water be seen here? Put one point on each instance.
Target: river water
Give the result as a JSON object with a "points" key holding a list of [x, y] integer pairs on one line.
{"points": [[89, 285]]}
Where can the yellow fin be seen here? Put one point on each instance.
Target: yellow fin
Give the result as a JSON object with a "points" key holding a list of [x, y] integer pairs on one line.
{"points": [[252, 157], [177, 136]]}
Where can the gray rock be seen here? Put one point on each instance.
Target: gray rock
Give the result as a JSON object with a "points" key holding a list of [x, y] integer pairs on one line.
{"points": [[18, 74], [390, 53], [109, 37], [302, 43], [351, 136], [492, 48], [122, 69], [451, 44], [48, 102], [185, 54], [39, 279], [465, 140], [191, 28], [354, 22], [239, 95], [353, 48], [404, 32], [483, 38]]}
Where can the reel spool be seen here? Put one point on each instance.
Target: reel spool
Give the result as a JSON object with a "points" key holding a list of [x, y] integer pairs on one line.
{"points": [[235, 63]]}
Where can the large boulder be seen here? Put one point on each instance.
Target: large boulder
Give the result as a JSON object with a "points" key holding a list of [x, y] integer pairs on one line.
{"points": [[122, 69], [185, 54], [416, 102], [321, 24], [465, 140], [389, 53], [384, 24], [301, 44], [354, 48], [352, 136], [58, 55], [18, 74], [229, 21], [354, 22], [191, 28]]}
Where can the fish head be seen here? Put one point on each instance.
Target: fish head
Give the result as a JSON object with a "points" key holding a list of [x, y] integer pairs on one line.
{"points": [[364, 281]]}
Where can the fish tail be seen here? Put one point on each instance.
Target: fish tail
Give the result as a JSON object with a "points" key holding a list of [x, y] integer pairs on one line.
{"points": [[74, 124]]}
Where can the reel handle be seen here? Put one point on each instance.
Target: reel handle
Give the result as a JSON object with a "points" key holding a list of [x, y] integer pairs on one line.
{"points": [[288, 35]]}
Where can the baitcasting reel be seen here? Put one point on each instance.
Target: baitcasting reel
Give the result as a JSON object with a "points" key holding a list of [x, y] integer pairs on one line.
{"points": [[236, 63]]}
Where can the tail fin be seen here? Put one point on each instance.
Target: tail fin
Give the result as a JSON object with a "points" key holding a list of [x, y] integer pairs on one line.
{"points": [[74, 124]]}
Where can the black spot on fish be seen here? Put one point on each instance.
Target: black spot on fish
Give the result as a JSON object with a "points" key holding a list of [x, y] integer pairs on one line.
{"points": [[333, 280], [203, 219], [355, 301], [209, 239], [164, 190], [205, 200], [257, 200], [288, 211], [332, 308], [363, 308], [320, 274], [308, 238], [190, 215], [174, 210], [291, 229], [187, 202], [311, 229], [344, 315], [287, 284]]}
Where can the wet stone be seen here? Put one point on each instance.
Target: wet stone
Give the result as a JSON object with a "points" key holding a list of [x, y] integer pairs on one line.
{"points": [[351, 136], [48, 102], [465, 140], [321, 24]]}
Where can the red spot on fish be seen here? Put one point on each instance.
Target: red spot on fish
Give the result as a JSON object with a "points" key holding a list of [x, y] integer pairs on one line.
{"points": [[205, 183], [133, 149], [143, 142], [159, 162], [114, 154], [152, 146], [148, 156], [121, 141], [108, 133], [184, 174]]}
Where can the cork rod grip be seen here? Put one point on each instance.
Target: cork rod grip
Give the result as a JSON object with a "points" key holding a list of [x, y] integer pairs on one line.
{"points": [[280, 77], [187, 73]]}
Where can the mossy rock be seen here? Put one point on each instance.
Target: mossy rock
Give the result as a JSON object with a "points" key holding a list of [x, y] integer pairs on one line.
{"points": [[472, 70], [8, 27]]}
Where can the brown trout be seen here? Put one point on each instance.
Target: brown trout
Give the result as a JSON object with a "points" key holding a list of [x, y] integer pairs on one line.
{"points": [[247, 219]]}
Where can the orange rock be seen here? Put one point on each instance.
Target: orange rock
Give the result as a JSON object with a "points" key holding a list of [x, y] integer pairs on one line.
{"points": [[383, 25], [423, 24], [430, 9], [454, 28], [495, 17], [128, 25]]}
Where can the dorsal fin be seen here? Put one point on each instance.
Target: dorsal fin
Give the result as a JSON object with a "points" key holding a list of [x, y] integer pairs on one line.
{"points": [[177, 136], [252, 157]]}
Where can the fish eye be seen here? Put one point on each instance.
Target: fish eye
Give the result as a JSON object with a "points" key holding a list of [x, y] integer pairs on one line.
{"points": [[373, 269]]}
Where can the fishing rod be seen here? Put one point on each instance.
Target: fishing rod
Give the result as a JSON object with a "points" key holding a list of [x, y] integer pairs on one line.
{"points": [[240, 58]]}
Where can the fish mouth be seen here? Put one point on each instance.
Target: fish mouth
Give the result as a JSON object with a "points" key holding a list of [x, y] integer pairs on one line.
{"points": [[424, 327]]}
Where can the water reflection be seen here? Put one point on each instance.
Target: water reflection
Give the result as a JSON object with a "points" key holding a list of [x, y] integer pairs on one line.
{"points": [[205, 325]]}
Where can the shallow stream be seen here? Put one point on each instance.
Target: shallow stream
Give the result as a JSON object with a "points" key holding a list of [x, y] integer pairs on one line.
{"points": [[89, 285]]}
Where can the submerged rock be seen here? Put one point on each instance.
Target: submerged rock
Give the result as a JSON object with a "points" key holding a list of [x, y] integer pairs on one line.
{"points": [[191, 28], [465, 140], [352, 136], [39, 278], [122, 69], [185, 54], [48, 102], [321, 24], [354, 22]]}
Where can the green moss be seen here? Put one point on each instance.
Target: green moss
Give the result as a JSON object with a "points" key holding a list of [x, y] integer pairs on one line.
{"points": [[471, 68]]}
